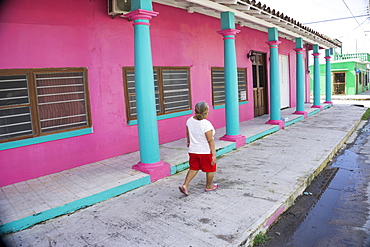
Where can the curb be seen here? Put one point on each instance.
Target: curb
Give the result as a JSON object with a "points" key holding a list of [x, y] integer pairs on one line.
{"points": [[71, 207]]}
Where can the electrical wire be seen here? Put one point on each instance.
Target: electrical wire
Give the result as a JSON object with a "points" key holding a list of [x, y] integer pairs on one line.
{"points": [[360, 25], [352, 14], [337, 19]]}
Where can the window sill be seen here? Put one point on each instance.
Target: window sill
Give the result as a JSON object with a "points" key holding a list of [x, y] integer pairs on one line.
{"points": [[166, 116], [223, 106], [46, 138]]}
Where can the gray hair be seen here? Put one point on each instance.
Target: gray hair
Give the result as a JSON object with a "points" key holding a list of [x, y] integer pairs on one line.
{"points": [[201, 110]]}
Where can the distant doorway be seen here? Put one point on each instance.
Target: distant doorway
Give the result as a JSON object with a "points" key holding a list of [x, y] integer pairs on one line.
{"points": [[284, 82], [339, 83], [259, 84]]}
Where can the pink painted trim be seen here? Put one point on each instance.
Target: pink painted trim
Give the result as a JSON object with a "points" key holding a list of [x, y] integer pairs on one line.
{"points": [[229, 38], [141, 23], [274, 42], [329, 102], [230, 31], [316, 55], [141, 14], [274, 216], [299, 50], [327, 58], [277, 122], [317, 106], [304, 113], [156, 170], [239, 139]]}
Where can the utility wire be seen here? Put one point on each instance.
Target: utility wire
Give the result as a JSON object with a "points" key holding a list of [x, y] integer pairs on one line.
{"points": [[352, 14], [337, 19], [356, 28]]}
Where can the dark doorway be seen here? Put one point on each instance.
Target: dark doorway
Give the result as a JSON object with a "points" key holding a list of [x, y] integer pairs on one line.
{"points": [[259, 84], [339, 83]]}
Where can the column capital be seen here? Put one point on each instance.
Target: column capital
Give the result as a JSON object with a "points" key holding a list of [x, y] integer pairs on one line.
{"points": [[272, 34], [315, 48], [141, 14], [227, 20], [273, 43], [298, 43], [228, 32]]}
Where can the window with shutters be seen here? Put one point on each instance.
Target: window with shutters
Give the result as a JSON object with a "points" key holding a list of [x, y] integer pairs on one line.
{"points": [[218, 85], [171, 86], [36, 102]]}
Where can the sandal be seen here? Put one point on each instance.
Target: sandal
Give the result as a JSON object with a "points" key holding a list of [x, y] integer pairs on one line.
{"points": [[215, 186], [184, 191]]}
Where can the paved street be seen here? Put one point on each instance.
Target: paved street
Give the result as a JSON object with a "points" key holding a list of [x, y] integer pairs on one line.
{"points": [[257, 182]]}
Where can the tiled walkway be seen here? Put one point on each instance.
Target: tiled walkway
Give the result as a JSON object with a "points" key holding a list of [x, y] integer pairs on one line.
{"points": [[110, 177]]}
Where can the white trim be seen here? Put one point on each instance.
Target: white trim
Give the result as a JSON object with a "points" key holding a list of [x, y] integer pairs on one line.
{"points": [[251, 16], [339, 69], [356, 60]]}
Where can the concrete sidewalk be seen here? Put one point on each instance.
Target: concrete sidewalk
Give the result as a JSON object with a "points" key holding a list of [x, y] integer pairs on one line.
{"points": [[30, 202], [257, 183], [358, 97]]}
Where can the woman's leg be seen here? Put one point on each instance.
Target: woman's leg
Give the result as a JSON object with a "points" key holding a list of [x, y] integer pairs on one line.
{"points": [[189, 176], [209, 177]]}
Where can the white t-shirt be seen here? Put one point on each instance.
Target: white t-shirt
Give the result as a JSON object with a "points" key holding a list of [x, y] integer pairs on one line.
{"points": [[197, 135]]}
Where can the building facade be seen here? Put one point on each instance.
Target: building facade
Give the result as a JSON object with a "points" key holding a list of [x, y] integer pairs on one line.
{"points": [[349, 74], [75, 87]]}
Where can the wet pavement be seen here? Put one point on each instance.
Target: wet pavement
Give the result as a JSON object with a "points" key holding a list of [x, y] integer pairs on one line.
{"points": [[335, 208]]}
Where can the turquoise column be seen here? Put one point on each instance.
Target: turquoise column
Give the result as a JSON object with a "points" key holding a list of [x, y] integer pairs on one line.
{"points": [[228, 31], [274, 78], [316, 78], [299, 78], [141, 14], [328, 78]]}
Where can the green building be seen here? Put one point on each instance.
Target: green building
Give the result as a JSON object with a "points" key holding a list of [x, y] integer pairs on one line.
{"points": [[349, 74]]}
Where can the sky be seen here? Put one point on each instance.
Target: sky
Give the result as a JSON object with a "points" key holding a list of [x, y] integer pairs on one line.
{"points": [[353, 28]]}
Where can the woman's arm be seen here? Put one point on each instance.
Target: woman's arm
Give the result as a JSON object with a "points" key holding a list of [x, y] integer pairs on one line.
{"points": [[187, 137], [211, 143]]}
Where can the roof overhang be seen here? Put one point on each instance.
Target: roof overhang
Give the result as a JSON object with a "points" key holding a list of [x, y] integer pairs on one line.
{"points": [[256, 16]]}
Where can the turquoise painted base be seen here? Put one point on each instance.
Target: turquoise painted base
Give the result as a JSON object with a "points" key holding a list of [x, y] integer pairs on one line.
{"points": [[260, 135]]}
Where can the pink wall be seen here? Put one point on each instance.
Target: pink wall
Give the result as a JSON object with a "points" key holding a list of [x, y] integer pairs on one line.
{"points": [[81, 34]]}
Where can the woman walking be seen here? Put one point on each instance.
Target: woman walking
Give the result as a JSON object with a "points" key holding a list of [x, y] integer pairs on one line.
{"points": [[202, 151]]}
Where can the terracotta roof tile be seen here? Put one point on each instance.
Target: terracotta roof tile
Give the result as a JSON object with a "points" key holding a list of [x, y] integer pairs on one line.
{"points": [[281, 15]]}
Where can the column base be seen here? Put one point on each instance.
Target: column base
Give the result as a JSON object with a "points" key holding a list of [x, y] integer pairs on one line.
{"points": [[156, 170], [304, 113], [281, 123], [239, 139], [329, 102], [317, 106]]}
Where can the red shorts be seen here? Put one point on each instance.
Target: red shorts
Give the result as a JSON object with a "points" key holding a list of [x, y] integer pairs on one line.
{"points": [[201, 162]]}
